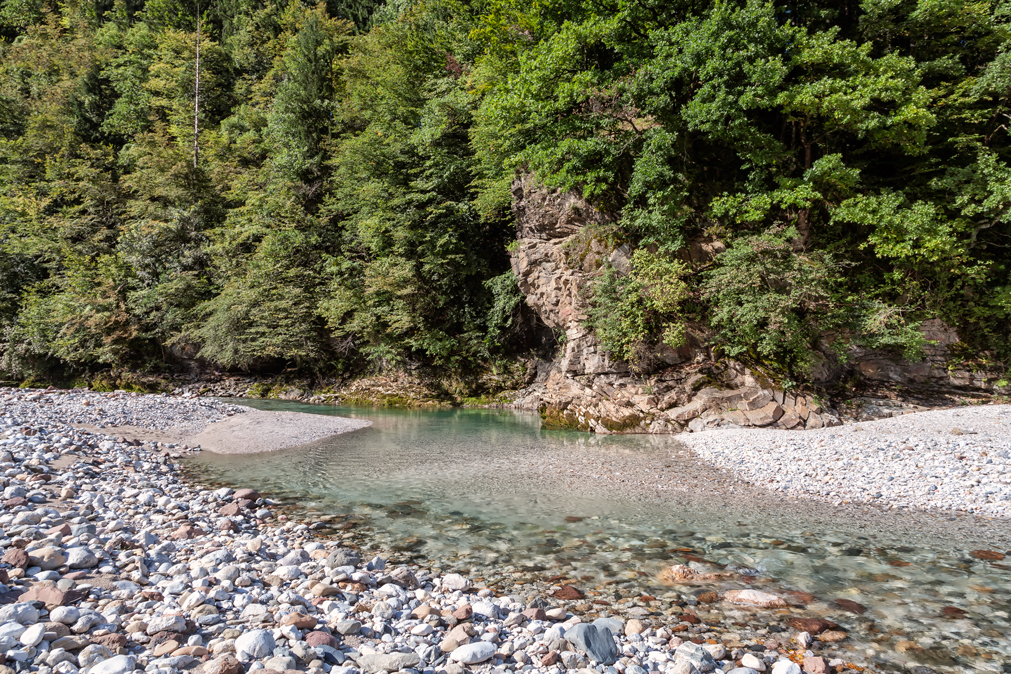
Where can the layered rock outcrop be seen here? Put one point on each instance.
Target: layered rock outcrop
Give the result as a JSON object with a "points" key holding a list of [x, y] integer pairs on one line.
{"points": [[562, 245]]}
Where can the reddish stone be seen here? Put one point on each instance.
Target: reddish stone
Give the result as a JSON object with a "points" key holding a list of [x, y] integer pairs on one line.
{"points": [[76, 575], [110, 641], [464, 612], [811, 625], [690, 618], [953, 612], [63, 530], [535, 614], [51, 595], [815, 665], [15, 502], [245, 503], [299, 620], [16, 557], [551, 658], [851, 606], [988, 555], [4, 576], [186, 532], [317, 638], [250, 494], [796, 597], [567, 592], [230, 510], [228, 525]]}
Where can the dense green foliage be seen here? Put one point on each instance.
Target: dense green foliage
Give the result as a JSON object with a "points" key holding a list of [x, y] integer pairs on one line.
{"points": [[350, 200]]}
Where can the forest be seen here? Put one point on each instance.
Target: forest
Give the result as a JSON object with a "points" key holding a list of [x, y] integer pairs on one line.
{"points": [[325, 187]]}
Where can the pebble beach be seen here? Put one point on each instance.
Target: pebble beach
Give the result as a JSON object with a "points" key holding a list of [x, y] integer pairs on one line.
{"points": [[956, 459], [113, 563]]}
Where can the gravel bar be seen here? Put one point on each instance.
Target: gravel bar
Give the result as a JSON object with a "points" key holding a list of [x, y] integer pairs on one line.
{"points": [[954, 459]]}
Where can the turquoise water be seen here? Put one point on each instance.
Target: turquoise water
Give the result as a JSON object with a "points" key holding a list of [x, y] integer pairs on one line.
{"points": [[489, 493]]}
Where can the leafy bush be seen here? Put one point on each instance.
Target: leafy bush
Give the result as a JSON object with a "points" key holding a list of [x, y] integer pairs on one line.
{"points": [[632, 313]]}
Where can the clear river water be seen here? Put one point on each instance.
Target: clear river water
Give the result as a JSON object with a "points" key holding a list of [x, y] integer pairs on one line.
{"points": [[490, 494]]}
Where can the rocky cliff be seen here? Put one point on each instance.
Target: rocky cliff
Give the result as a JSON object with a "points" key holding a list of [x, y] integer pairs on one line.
{"points": [[562, 245]]}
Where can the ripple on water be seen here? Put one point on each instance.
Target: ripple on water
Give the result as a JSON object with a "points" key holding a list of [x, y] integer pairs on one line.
{"points": [[490, 494]]}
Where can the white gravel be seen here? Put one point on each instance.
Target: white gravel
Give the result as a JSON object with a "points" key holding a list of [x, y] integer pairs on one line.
{"points": [[953, 459]]}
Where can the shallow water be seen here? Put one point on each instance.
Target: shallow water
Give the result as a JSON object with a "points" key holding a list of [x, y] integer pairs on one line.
{"points": [[490, 494]]}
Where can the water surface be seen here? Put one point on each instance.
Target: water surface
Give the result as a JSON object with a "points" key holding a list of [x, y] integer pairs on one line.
{"points": [[491, 494]]}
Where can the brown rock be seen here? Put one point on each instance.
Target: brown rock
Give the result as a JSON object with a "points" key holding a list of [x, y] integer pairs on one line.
{"points": [[535, 614], [4, 577], [195, 651], [708, 597], [249, 494], [851, 606], [690, 618], [769, 414], [230, 510], [321, 639], [228, 525], [58, 629], [63, 530], [423, 611], [165, 647], [15, 502], [551, 658], [16, 557], [567, 592], [811, 625], [299, 620], [988, 555], [186, 532], [815, 665], [464, 612], [832, 636], [224, 664], [905, 646], [682, 573], [953, 612], [51, 595], [111, 641]]}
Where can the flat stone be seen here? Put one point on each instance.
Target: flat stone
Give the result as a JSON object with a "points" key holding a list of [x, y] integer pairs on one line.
{"points": [[393, 662], [754, 598], [471, 654]]}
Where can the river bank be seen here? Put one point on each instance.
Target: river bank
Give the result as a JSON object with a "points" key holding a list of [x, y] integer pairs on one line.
{"points": [[190, 563]]}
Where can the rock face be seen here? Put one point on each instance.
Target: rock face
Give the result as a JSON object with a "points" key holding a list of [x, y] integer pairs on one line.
{"points": [[563, 245]]}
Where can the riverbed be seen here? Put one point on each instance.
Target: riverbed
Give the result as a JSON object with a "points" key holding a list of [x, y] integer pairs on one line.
{"points": [[490, 494]]}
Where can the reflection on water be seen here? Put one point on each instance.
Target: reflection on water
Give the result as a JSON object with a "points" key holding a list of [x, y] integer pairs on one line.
{"points": [[489, 493]]}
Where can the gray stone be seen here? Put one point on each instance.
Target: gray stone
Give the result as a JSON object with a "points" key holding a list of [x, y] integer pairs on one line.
{"points": [[598, 644], [254, 644], [346, 627], [120, 664], [696, 655], [23, 613], [392, 662], [93, 654], [612, 625], [166, 623], [471, 654], [343, 557], [81, 558]]}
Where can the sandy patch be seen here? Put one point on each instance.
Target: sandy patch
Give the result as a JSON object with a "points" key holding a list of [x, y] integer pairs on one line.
{"points": [[249, 433]]}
